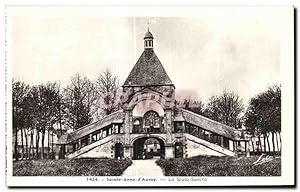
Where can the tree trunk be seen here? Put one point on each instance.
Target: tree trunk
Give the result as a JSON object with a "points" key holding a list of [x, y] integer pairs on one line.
{"points": [[60, 123], [273, 141], [43, 145], [26, 144], [52, 143], [265, 149], [31, 147], [251, 139], [268, 142], [277, 144], [22, 144], [37, 140], [48, 151], [280, 141], [259, 143], [16, 145]]}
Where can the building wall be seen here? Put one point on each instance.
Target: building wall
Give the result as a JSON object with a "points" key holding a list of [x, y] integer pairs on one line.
{"points": [[101, 151], [195, 149]]}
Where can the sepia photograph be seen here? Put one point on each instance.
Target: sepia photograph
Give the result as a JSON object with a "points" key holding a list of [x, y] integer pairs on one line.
{"points": [[150, 96]]}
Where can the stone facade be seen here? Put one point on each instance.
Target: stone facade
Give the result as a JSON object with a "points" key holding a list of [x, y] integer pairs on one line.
{"points": [[149, 92]]}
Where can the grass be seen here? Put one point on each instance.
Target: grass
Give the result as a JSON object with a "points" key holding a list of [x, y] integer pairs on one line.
{"points": [[219, 166], [73, 167]]}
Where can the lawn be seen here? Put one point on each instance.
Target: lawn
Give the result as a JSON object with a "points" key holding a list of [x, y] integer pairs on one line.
{"points": [[219, 166], [73, 167]]}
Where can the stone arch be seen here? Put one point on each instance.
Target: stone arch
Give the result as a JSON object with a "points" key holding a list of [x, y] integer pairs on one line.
{"points": [[148, 95], [119, 150], [143, 107], [138, 147], [145, 136]]}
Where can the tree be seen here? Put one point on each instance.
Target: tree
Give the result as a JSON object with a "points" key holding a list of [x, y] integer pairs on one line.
{"points": [[33, 114], [41, 112], [19, 93], [226, 108], [61, 110], [263, 115], [107, 86], [196, 106], [79, 96], [48, 98]]}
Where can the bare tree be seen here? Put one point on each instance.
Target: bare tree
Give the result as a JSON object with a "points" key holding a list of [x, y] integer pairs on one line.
{"points": [[226, 108], [19, 93], [196, 106], [107, 86], [79, 96], [264, 114]]}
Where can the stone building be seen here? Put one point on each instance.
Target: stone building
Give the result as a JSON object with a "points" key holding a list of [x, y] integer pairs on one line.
{"points": [[149, 111]]}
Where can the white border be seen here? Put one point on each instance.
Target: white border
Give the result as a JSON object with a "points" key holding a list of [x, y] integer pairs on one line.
{"points": [[287, 76]]}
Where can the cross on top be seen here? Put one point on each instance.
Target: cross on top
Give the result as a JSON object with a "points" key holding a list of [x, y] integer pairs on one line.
{"points": [[148, 23]]}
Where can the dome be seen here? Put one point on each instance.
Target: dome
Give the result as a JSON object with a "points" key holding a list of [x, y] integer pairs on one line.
{"points": [[148, 35]]}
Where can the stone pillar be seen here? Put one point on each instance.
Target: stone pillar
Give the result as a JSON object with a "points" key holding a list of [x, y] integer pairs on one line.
{"points": [[222, 141], [90, 139], [128, 126], [79, 143], [235, 148], [128, 152], [127, 130], [101, 134], [247, 146], [168, 125], [169, 151]]}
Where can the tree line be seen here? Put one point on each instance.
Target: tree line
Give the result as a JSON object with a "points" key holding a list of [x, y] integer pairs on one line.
{"points": [[260, 118], [50, 108]]}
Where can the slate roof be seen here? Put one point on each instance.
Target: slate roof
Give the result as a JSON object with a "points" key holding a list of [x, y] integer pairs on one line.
{"points": [[208, 124], [148, 70], [116, 117]]}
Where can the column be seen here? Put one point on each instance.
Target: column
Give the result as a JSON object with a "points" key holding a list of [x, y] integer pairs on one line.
{"points": [[79, 143], [169, 129], [235, 149], [113, 130], [247, 146], [169, 151], [127, 131], [222, 141], [128, 126], [90, 139], [168, 125]]}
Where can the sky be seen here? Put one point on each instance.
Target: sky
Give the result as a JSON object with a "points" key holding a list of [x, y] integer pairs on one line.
{"points": [[204, 53]]}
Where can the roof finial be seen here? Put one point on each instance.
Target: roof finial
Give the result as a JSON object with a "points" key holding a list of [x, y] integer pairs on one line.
{"points": [[148, 23]]}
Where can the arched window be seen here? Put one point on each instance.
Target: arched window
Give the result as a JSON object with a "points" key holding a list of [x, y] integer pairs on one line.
{"points": [[136, 122], [119, 151], [151, 118]]}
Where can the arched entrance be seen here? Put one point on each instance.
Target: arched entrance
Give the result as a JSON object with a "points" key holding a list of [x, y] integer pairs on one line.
{"points": [[119, 151], [178, 150], [148, 148]]}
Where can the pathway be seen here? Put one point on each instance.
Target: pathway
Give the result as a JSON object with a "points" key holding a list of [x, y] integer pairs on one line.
{"points": [[146, 167]]}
